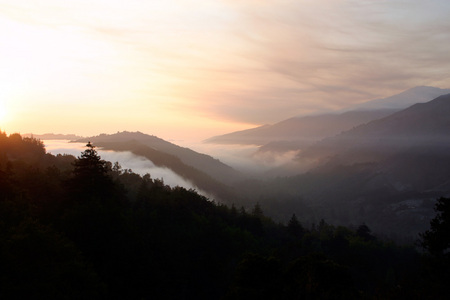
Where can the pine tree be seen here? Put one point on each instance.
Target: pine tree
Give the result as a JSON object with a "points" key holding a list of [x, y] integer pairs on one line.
{"points": [[257, 211], [89, 163], [90, 176], [294, 227], [437, 239], [365, 233]]}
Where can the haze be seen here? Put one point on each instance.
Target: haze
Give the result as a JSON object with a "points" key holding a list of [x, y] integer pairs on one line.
{"points": [[127, 161], [187, 70]]}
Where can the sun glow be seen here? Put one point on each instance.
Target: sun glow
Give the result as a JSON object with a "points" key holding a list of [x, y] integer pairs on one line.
{"points": [[3, 113], [96, 66]]}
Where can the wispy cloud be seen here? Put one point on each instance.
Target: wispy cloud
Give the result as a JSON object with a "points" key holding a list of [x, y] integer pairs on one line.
{"points": [[189, 61]]}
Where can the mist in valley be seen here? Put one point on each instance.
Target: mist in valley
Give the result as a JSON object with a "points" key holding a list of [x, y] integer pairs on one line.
{"points": [[368, 173], [101, 228], [127, 160], [251, 161], [378, 181], [224, 150]]}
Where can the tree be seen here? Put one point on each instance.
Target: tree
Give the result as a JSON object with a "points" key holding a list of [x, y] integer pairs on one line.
{"points": [[436, 240], [90, 174], [365, 233], [90, 163], [6, 186], [39, 263], [257, 211], [294, 227]]}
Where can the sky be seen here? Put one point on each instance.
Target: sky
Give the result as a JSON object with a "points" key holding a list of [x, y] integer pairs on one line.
{"points": [[189, 69]]}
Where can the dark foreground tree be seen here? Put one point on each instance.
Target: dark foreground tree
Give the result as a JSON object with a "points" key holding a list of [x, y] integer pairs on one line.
{"points": [[89, 164], [39, 263], [90, 178], [295, 228], [436, 240], [365, 233]]}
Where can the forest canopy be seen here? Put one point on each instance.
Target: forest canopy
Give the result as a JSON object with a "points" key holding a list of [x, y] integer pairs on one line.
{"points": [[82, 227]]}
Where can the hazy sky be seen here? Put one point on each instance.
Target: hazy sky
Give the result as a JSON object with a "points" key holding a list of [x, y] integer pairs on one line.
{"points": [[192, 69]]}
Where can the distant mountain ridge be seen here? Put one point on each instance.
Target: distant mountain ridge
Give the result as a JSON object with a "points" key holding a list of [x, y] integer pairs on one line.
{"points": [[423, 124], [53, 136], [303, 131], [410, 148], [387, 172], [404, 99], [202, 162], [431, 118]]}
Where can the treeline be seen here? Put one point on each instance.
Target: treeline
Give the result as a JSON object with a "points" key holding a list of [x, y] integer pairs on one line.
{"points": [[84, 228], [161, 159]]}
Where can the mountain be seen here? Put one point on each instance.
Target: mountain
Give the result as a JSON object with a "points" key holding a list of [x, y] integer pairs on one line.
{"points": [[298, 132], [301, 130], [68, 230], [53, 136], [421, 125], [167, 153], [404, 99], [388, 171]]}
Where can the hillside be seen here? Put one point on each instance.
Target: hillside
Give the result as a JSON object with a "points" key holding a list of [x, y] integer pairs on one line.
{"points": [[298, 132], [388, 170], [423, 125], [202, 162], [76, 228]]}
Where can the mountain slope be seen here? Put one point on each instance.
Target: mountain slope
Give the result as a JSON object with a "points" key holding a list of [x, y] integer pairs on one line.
{"points": [[421, 125], [199, 178], [387, 172], [201, 162], [431, 118], [404, 99], [301, 131]]}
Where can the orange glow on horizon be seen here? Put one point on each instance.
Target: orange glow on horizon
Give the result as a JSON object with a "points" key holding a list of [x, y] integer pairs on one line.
{"points": [[91, 67]]}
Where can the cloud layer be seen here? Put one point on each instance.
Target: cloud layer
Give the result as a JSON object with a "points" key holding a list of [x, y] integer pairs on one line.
{"points": [[127, 160], [157, 66]]}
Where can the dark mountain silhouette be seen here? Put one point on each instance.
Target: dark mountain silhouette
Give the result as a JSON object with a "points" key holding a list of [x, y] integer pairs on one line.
{"points": [[205, 163], [421, 126], [386, 171], [79, 228], [203, 170], [298, 132]]}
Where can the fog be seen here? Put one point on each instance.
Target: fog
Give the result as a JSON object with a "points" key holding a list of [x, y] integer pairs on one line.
{"points": [[127, 160], [247, 158]]}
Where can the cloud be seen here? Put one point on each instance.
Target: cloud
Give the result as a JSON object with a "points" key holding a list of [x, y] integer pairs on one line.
{"points": [[309, 56], [127, 160], [248, 62]]}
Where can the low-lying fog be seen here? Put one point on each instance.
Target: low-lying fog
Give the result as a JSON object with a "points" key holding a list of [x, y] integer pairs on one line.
{"points": [[249, 160], [127, 160]]}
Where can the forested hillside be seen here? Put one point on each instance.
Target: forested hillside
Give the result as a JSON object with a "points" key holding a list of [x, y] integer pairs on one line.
{"points": [[163, 151], [83, 228], [386, 173]]}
